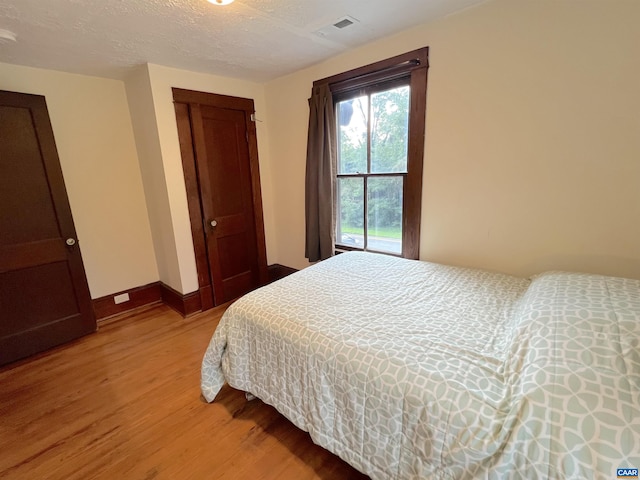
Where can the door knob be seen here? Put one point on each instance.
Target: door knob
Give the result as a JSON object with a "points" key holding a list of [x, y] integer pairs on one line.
{"points": [[213, 223], [71, 241]]}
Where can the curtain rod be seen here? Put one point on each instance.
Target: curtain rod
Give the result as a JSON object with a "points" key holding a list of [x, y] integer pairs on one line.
{"points": [[388, 73], [389, 69], [406, 65], [418, 58]]}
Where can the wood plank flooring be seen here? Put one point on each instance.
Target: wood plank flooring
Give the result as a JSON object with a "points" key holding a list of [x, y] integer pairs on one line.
{"points": [[124, 403]]}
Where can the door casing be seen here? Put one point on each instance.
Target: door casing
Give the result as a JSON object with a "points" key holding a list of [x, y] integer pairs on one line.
{"points": [[185, 101]]}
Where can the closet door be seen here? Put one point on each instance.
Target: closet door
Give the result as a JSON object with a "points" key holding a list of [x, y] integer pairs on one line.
{"points": [[219, 152], [44, 297]]}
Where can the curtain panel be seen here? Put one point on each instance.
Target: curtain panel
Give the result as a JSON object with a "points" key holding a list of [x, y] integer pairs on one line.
{"points": [[320, 176]]}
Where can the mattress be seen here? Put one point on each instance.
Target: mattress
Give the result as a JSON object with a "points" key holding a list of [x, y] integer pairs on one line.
{"points": [[409, 369]]}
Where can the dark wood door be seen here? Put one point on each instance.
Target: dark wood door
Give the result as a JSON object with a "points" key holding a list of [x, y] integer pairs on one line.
{"points": [[218, 141], [44, 297]]}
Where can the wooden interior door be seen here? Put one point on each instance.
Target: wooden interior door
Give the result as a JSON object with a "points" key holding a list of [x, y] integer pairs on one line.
{"points": [[44, 297], [219, 149]]}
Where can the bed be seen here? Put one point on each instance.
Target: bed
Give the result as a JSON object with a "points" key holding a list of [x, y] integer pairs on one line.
{"points": [[408, 369]]}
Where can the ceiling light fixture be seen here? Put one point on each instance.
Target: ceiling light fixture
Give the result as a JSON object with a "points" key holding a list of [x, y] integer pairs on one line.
{"points": [[220, 2]]}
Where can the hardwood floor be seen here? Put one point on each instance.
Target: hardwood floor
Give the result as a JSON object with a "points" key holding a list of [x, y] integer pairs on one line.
{"points": [[124, 403]]}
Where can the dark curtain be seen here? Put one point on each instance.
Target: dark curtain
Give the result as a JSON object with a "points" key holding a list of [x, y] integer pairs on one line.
{"points": [[320, 176]]}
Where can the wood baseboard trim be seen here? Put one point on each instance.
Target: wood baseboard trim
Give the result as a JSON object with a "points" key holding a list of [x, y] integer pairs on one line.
{"points": [[186, 305], [105, 307], [277, 271], [189, 304]]}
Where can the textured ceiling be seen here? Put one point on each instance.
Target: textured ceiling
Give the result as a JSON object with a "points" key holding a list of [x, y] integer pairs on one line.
{"points": [[252, 39]]}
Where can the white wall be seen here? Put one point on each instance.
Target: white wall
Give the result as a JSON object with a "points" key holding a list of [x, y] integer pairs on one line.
{"points": [[92, 129], [158, 145], [143, 117], [533, 137]]}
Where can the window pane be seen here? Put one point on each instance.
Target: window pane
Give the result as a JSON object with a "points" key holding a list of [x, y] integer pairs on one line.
{"points": [[350, 222], [384, 216], [352, 135], [389, 128]]}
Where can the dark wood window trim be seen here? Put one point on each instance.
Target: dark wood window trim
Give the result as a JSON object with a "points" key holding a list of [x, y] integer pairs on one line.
{"points": [[413, 65]]}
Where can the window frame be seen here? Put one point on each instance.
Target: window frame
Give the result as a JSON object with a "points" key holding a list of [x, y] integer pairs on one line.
{"points": [[412, 65]]}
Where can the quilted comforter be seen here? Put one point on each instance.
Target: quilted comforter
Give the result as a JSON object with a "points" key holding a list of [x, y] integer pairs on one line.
{"points": [[409, 369]]}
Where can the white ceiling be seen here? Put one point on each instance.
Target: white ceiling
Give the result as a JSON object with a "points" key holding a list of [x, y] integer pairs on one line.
{"points": [[252, 39]]}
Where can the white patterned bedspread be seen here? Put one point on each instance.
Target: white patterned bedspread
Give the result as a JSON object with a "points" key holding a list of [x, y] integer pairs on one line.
{"points": [[409, 369]]}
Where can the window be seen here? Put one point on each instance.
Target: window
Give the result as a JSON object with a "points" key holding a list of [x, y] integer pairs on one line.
{"points": [[380, 117], [373, 127]]}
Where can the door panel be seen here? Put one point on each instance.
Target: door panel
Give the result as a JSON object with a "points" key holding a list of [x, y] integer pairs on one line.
{"points": [[44, 297], [20, 287], [27, 213], [226, 151], [236, 261]]}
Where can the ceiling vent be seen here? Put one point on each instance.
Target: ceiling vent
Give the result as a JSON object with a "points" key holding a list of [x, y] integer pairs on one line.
{"points": [[344, 23], [339, 25]]}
